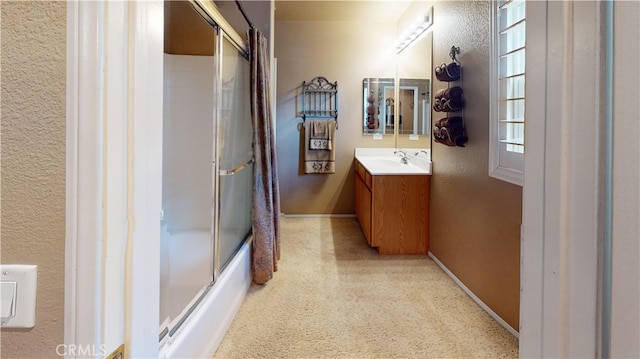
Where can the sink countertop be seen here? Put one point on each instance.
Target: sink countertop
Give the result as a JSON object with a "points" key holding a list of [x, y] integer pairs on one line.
{"points": [[382, 161]]}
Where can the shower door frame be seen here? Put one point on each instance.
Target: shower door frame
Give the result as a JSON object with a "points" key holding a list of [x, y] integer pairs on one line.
{"points": [[111, 300], [218, 172], [222, 33]]}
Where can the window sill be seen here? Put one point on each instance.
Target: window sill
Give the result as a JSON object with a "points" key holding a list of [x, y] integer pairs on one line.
{"points": [[507, 175]]}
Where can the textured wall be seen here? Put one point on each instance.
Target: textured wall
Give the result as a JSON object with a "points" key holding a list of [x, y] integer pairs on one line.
{"points": [[475, 219], [346, 52], [33, 163]]}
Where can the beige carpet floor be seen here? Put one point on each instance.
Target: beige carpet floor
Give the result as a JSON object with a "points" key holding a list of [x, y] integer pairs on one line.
{"points": [[335, 297]]}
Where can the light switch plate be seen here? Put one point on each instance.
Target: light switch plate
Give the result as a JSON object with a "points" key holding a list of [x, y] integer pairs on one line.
{"points": [[24, 310], [8, 301]]}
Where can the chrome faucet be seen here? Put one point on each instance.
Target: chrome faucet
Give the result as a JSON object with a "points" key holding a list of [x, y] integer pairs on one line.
{"points": [[421, 151], [403, 158]]}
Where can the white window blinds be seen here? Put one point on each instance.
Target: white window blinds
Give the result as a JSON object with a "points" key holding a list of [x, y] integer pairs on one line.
{"points": [[508, 95]]}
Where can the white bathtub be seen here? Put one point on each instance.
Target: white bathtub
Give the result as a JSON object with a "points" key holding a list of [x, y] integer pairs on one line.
{"points": [[202, 332]]}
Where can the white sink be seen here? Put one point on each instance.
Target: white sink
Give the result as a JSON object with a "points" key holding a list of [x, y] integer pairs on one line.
{"points": [[383, 161], [389, 162]]}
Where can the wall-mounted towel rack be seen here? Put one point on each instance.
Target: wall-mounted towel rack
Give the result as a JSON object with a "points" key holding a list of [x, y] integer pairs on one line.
{"points": [[450, 130], [320, 99], [455, 50]]}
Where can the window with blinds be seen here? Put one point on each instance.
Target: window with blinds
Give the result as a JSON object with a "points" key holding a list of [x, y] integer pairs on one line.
{"points": [[508, 90]]}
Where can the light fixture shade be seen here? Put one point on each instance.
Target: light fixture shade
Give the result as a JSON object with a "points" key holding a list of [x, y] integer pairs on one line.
{"points": [[413, 32]]}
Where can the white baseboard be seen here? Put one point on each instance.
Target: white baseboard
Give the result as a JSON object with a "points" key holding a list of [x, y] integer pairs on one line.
{"points": [[204, 330], [475, 298]]}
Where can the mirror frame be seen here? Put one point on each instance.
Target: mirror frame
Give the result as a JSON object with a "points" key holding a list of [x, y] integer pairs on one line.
{"points": [[374, 107]]}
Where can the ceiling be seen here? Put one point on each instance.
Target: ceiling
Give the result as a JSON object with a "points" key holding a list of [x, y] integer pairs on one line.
{"points": [[339, 10]]}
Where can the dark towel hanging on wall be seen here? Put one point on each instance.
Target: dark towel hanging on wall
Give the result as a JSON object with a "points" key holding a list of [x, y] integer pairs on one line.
{"points": [[448, 100], [448, 73], [450, 131]]}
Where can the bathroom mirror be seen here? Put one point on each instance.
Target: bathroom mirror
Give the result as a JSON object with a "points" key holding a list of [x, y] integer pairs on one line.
{"points": [[415, 82], [380, 102], [414, 106], [378, 105], [405, 111], [415, 62]]}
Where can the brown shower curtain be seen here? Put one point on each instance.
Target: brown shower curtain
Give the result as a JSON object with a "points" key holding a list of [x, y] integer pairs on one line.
{"points": [[266, 198]]}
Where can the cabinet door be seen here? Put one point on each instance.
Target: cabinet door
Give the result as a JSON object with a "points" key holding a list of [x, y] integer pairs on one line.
{"points": [[363, 207], [400, 207]]}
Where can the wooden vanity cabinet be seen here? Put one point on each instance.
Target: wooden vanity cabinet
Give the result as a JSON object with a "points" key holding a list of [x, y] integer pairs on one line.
{"points": [[393, 211], [363, 200]]}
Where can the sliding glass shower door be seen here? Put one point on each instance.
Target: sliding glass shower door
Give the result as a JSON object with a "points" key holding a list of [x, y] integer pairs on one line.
{"points": [[235, 152], [207, 165], [187, 225]]}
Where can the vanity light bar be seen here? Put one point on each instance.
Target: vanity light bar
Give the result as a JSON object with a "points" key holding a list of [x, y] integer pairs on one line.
{"points": [[415, 31]]}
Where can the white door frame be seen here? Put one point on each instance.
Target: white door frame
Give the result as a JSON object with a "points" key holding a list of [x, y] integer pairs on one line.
{"points": [[114, 171], [562, 226]]}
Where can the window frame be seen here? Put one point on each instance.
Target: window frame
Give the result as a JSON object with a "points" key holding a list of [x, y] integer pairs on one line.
{"points": [[499, 158]]}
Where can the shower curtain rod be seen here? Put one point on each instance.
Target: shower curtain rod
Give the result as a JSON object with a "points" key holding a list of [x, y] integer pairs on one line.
{"points": [[246, 18]]}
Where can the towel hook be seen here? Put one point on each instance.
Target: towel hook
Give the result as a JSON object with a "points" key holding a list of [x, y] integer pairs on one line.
{"points": [[454, 51]]}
